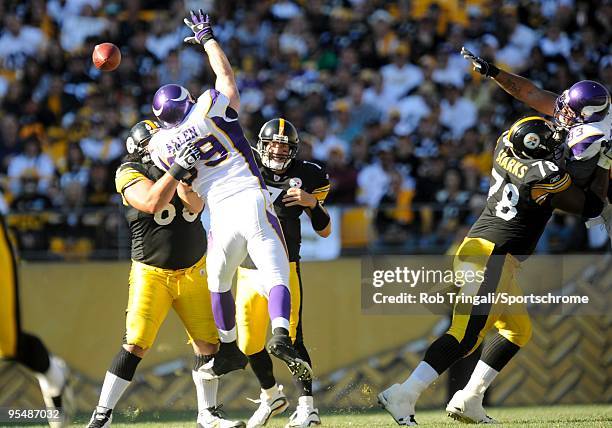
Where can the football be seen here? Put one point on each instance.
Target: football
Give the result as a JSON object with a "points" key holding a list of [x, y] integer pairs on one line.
{"points": [[106, 56]]}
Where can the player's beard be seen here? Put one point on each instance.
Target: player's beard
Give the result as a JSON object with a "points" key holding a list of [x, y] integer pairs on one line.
{"points": [[276, 164]]}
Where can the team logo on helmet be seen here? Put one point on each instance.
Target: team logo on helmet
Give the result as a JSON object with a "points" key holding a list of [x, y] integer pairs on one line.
{"points": [[531, 140], [130, 145]]}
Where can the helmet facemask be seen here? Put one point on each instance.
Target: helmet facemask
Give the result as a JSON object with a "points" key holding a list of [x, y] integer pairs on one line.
{"points": [[276, 161], [565, 116]]}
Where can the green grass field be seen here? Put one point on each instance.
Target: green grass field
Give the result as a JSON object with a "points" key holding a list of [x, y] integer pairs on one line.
{"points": [[554, 416]]}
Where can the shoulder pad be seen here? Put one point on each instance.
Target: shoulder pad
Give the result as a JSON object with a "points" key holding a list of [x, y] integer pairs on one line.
{"points": [[136, 166], [214, 103], [129, 173], [585, 140]]}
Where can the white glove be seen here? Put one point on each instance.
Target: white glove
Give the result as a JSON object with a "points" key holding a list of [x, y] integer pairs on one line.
{"points": [[605, 155]]}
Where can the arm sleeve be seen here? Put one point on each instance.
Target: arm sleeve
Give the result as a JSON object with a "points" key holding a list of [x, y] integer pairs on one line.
{"points": [[322, 186], [552, 183], [128, 174]]}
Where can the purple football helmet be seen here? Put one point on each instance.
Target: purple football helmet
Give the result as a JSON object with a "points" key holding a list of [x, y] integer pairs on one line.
{"points": [[171, 104], [585, 102]]}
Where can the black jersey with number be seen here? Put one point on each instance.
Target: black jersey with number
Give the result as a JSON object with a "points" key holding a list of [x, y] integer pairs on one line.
{"points": [[310, 177], [518, 205], [172, 238]]}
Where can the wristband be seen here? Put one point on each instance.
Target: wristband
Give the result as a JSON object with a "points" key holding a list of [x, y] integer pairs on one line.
{"points": [[178, 172], [492, 71], [319, 218]]}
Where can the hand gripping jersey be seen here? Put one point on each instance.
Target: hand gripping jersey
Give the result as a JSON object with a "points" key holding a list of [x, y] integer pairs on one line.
{"points": [[301, 174], [518, 205], [227, 165], [172, 238], [584, 141]]}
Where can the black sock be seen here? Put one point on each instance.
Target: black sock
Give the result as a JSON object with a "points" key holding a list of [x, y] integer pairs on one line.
{"points": [[498, 351], [124, 365], [261, 363], [443, 353], [32, 353], [306, 385], [200, 360]]}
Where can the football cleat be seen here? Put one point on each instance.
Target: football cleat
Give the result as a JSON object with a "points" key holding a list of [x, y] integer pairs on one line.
{"points": [[57, 391], [399, 404], [101, 418], [268, 406], [213, 417], [466, 407], [227, 359], [281, 347], [305, 414]]}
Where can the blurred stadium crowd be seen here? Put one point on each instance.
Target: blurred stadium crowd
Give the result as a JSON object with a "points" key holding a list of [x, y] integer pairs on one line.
{"points": [[377, 89]]}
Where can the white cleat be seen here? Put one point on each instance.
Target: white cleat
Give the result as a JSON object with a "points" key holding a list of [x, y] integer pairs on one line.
{"points": [[305, 414], [213, 417], [399, 404], [268, 406], [57, 391], [101, 418], [467, 407]]}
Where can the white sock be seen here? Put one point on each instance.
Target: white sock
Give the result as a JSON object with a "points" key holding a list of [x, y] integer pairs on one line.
{"points": [[52, 381], [280, 322], [268, 393], [306, 401], [420, 379], [481, 378], [227, 336], [206, 391], [112, 390]]}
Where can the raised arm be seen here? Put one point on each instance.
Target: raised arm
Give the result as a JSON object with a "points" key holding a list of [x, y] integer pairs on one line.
{"points": [[519, 87], [203, 35], [225, 83]]}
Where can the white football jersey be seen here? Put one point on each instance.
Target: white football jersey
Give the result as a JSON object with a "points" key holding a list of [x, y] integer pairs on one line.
{"points": [[585, 139], [227, 165]]}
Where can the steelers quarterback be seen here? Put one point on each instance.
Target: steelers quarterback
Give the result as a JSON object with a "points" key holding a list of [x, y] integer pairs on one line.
{"points": [[168, 270], [295, 186], [526, 187], [24, 348]]}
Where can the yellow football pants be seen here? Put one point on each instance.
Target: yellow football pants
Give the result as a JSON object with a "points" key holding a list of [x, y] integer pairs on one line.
{"points": [[154, 290], [9, 302], [470, 324], [252, 318]]}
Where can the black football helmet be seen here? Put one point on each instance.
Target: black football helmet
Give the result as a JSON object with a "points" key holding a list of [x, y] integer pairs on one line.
{"points": [[280, 131], [138, 139], [533, 137]]}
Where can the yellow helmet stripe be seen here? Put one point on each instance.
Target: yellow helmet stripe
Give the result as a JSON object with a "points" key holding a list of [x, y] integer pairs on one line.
{"points": [[281, 126], [523, 120], [151, 123]]}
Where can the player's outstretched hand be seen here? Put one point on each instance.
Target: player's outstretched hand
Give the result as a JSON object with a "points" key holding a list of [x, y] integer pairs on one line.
{"points": [[200, 24], [480, 65], [188, 156], [297, 196]]}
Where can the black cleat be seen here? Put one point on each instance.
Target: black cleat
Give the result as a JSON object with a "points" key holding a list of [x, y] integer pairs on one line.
{"points": [[101, 418], [228, 358], [281, 347]]}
